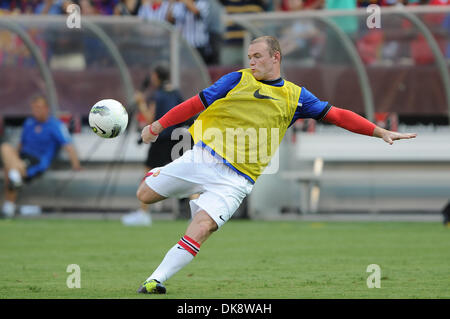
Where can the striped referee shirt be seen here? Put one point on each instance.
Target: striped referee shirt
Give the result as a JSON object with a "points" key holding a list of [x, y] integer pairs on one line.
{"points": [[193, 28]]}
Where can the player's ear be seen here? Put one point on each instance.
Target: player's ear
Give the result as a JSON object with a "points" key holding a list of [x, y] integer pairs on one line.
{"points": [[277, 56]]}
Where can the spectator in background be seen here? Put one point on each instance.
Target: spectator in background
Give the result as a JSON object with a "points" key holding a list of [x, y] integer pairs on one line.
{"points": [[97, 7], [42, 137], [232, 51], [289, 5], [216, 29], [154, 10], [53, 7], [159, 154], [292, 5], [86, 7], [438, 2], [19, 6], [104, 7], [127, 7], [5, 7], [438, 25], [394, 2], [348, 25], [313, 4], [301, 39], [190, 17], [285, 5], [366, 3], [431, 2]]}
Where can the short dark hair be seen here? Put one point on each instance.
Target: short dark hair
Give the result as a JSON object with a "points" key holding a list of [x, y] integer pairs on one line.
{"points": [[163, 72], [272, 44]]}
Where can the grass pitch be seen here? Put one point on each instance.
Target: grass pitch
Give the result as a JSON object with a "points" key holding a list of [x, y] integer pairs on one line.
{"points": [[245, 259]]}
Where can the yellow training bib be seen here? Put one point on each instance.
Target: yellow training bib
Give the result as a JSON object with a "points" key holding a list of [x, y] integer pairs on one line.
{"points": [[247, 125]]}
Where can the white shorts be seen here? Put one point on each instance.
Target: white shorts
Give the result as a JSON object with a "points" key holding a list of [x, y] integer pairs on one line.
{"points": [[197, 171]]}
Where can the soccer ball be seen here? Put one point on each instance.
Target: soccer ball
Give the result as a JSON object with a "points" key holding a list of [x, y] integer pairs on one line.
{"points": [[108, 118]]}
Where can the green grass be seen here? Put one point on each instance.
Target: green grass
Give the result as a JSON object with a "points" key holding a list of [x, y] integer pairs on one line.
{"points": [[245, 259]]}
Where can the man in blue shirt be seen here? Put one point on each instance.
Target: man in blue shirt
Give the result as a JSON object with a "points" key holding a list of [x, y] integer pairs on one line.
{"points": [[42, 137]]}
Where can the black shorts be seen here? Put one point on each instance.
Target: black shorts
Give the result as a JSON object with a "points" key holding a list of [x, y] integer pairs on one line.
{"points": [[30, 161], [159, 153]]}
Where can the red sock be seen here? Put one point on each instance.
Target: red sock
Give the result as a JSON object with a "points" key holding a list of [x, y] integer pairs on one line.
{"points": [[190, 245]]}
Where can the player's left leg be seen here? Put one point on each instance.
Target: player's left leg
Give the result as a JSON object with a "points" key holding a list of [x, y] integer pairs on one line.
{"points": [[221, 192]]}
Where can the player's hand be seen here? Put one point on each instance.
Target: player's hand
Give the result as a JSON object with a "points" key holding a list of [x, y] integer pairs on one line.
{"points": [[151, 132], [148, 137], [389, 136]]}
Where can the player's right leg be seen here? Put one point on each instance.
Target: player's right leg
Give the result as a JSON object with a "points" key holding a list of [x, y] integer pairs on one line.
{"points": [[147, 196], [159, 184]]}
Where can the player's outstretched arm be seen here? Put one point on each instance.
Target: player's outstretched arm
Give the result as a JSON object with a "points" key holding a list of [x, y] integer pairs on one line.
{"points": [[358, 124], [179, 114]]}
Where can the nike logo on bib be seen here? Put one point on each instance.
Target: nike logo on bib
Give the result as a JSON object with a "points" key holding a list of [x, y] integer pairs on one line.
{"points": [[260, 96]]}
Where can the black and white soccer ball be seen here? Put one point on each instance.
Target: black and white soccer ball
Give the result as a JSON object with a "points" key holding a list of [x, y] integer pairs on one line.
{"points": [[108, 118]]}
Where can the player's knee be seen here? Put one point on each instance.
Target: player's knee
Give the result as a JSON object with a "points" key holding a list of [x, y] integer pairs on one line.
{"points": [[206, 225], [146, 195], [142, 195], [201, 227]]}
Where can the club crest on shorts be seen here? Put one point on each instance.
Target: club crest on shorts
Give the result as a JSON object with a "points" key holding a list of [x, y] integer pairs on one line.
{"points": [[156, 173]]}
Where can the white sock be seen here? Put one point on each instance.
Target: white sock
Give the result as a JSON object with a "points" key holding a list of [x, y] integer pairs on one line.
{"points": [[14, 176], [8, 208], [176, 258]]}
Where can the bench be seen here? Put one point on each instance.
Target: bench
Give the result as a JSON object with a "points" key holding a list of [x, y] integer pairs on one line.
{"points": [[60, 188], [343, 157]]}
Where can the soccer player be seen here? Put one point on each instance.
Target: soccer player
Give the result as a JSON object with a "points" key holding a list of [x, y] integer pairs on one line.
{"points": [[255, 101], [42, 136]]}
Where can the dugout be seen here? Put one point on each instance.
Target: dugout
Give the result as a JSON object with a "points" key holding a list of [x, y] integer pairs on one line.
{"points": [[402, 69]]}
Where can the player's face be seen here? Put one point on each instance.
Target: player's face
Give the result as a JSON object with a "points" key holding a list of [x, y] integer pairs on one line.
{"points": [[40, 110], [262, 65]]}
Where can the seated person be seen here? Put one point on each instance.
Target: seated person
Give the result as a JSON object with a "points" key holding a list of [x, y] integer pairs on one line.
{"points": [[42, 137]]}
